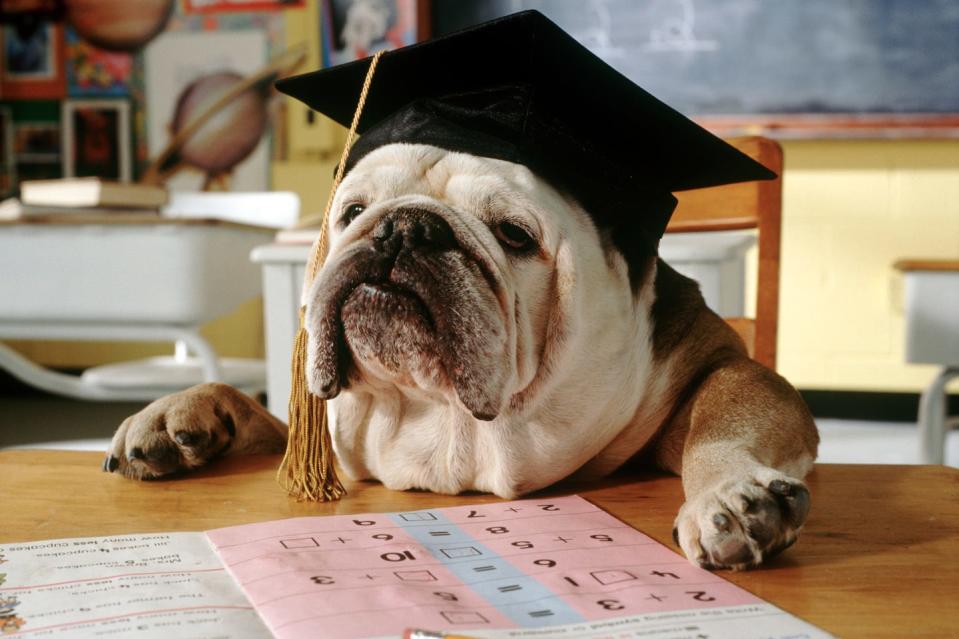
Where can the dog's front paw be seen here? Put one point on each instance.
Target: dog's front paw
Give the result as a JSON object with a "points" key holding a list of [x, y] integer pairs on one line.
{"points": [[175, 433], [741, 522]]}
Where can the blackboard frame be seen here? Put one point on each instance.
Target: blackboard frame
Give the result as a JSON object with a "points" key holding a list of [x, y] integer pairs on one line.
{"points": [[812, 126]]}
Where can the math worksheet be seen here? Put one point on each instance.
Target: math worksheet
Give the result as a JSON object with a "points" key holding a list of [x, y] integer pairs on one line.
{"points": [[510, 565], [559, 567], [154, 586]]}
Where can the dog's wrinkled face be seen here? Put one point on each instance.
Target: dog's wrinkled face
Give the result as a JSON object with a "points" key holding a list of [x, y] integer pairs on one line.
{"points": [[460, 290], [435, 274]]}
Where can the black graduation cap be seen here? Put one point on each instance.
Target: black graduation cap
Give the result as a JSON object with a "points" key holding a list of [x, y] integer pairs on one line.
{"points": [[521, 89]]}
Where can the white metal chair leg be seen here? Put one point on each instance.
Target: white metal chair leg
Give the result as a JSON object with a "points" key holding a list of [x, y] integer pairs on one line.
{"points": [[932, 418], [192, 341], [73, 386], [61, 383]]}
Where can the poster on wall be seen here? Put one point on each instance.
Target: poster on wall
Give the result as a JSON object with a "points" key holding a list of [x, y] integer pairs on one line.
{"points": [[355, 29], [203, 101], [92, 71], [31, 66], [96, 139]]}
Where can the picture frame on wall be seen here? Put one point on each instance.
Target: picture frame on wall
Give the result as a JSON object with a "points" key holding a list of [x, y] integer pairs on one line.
{"points": [[8, 166], [32, 64], [96, 139], [36, 142], [18, 10], [355, 29]]}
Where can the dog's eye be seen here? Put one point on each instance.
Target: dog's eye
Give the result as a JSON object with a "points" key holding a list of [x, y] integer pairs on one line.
{"points": [[351, 213], [513, 236]]}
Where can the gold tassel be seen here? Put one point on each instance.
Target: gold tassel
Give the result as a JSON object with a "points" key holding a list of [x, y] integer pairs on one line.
{"points": [[307, 471]]}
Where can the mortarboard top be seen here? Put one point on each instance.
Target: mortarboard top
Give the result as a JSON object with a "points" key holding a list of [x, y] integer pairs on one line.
{"points": [[521, 89]]}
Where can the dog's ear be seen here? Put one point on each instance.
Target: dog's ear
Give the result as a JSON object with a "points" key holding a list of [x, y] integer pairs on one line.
{"points": [[639, 258]]}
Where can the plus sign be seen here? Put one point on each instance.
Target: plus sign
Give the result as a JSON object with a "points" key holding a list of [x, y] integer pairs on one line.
{"points": [[651, 596], [340, 539], [515, 510], [563, 539], [370, 577]]}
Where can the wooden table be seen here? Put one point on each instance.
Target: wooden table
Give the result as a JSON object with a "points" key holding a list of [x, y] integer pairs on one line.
{"points": [[879, 556]]}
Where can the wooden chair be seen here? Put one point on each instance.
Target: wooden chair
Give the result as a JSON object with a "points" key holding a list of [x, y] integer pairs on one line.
{"points": [[746, 205]]}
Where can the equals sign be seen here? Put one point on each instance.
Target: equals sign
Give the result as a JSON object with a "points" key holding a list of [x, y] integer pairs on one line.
{"points": [[439, 533], [541, 613], [512, 588], [484, 568]]}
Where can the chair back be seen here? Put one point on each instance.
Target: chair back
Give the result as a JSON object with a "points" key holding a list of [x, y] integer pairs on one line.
{"points": [[746, 205]]}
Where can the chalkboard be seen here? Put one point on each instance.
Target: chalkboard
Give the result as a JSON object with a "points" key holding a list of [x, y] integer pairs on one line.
{"points": [[736, 57]]}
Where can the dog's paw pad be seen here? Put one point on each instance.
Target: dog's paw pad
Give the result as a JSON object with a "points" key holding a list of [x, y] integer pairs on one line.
{"points": [[169, 437], [740, 523]]}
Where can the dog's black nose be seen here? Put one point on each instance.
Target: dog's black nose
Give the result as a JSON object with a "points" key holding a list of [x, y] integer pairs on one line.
{"points": [[412, 228]]}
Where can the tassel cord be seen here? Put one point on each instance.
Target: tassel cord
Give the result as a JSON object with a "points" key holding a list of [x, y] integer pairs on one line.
{"points": [[307, 471]]}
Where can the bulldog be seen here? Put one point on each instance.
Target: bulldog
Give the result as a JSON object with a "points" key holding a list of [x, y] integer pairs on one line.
{"points": [[473, 329]]}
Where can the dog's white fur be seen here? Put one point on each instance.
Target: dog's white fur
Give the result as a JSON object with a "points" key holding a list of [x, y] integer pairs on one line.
{"points": [[577, 353], [579, 369]]}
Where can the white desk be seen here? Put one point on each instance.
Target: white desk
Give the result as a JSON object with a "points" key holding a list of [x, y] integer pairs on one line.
{"points": [[117, 278], [716, 260], [932, 337]]}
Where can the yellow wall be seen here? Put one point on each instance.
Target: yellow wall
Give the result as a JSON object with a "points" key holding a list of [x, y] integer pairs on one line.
{"points": [[850, 210], [314, 143]]}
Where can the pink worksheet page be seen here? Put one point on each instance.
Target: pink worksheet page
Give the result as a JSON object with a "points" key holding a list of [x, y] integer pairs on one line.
{"points": [[526, 564]]}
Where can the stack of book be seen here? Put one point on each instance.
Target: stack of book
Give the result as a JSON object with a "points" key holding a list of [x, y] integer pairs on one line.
{"points": [[91, 197]]}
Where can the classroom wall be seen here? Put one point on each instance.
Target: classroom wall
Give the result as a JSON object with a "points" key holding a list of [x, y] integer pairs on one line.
{"points": [[850, 210], [312, 149]]}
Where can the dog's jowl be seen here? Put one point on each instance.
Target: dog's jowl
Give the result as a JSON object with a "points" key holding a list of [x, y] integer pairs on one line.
{"points": [[492, 314]]}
